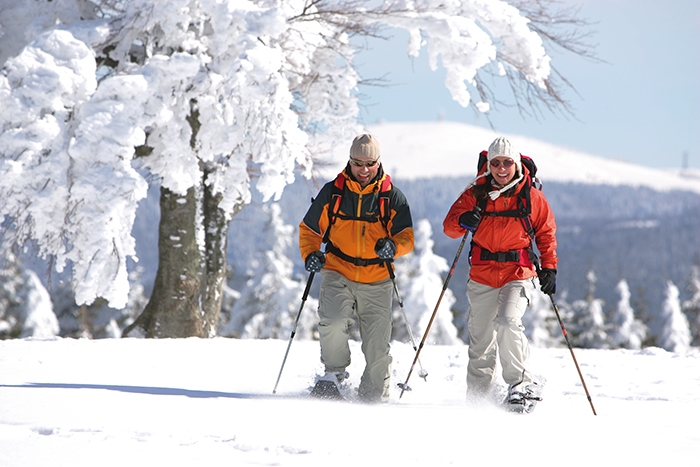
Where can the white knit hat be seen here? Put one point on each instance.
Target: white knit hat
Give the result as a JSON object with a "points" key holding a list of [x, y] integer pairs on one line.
{"points": [[501, 147]]}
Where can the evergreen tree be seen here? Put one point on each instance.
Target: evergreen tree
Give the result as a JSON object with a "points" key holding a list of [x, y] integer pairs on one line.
{"points": [[626, 331], [419, 274], [25, 305], [230, 298], [588, 327], [97, 320], [541, 325], [269, 303], [670, 325], [691, 307]]}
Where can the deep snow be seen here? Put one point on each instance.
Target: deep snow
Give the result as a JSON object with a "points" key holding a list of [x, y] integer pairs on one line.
{"points": [[210, 402]]}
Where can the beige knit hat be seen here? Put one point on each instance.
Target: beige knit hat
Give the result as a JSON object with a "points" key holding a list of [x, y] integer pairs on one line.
{"points": [[365, 147]]}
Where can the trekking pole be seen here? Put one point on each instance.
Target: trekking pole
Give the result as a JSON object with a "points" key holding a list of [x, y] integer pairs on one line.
{"points": [[423, 374], [571, 349], [294, 330], [404, 386]]}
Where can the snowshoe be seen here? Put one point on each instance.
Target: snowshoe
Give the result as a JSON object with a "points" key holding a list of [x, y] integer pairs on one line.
{"points": [[522, 398], [326, 390], [327, 385]]}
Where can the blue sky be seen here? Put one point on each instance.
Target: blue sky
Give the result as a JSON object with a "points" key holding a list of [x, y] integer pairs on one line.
{"points": [[642, 104]]}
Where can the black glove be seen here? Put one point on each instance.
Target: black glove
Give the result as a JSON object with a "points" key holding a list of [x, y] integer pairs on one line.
{"points": [[470, 220], [385, 248], [315, 261], [548, 281]]}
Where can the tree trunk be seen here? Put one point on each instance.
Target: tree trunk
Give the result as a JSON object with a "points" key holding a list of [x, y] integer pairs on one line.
{"points": [[216, 241], [188, 290], [175, 306]]}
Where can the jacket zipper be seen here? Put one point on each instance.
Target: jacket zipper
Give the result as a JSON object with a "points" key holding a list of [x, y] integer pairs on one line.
{"points": [[360, 240]]}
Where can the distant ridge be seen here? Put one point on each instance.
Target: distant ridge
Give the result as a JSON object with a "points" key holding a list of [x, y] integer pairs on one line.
{"points": [[433, 149]]}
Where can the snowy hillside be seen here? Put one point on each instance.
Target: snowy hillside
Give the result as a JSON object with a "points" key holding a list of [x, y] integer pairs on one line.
{"points": [[432, 149], [112, 402]]}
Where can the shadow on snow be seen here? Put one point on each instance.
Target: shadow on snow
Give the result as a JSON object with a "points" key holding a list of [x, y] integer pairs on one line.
{"points": [[155, 391]]}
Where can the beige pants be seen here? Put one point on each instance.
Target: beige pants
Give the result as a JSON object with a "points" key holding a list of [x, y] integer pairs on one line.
{"points": [[495, 328], [340, 299]]}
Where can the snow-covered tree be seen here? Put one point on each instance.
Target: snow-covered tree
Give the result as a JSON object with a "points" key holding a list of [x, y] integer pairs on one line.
{"points": [[25, 305], [208, 98], [270, 302], [670, 326], [230, 298], [420, 275], [691, 307], [588, 322], [96, 320], [626, 331], [541, 325]]}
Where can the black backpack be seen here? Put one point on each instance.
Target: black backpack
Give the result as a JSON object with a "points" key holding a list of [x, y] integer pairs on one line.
{"points": [[524, 206], [334, 214]]}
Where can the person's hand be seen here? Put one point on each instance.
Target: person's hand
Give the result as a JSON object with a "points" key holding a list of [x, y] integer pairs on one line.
{"points": [[385, 248], [548, 281], [470, 220], [315, 261]]}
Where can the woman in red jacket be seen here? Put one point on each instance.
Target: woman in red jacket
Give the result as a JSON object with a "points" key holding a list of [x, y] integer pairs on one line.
{"points": [[502, 273]]}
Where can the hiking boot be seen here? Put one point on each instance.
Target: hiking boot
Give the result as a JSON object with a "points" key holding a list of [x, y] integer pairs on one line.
{"points": [[336, 377], [374, 395]]}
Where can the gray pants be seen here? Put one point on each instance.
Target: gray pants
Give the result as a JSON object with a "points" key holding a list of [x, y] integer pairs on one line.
{"points": [[495, 328], [340, 299]]}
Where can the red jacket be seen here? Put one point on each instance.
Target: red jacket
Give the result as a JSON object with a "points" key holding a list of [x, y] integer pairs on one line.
{"points": [[502, 234]]}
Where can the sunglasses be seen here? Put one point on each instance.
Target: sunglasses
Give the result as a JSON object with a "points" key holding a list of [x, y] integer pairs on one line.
{"points": [[357, 163], [506, 163]]}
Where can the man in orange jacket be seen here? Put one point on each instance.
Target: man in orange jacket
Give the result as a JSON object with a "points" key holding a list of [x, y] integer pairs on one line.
{"points": [[502, 273], [365, 222]]}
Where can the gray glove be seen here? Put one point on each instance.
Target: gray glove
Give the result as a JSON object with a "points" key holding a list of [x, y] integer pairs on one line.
{"points": [[315, 261], [385, 248]]}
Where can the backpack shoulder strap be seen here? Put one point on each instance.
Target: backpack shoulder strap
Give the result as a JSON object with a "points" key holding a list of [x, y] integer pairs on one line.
{"points": [[385, 202], [525, 208], [334, 206], [337, 192], [336, 196]]}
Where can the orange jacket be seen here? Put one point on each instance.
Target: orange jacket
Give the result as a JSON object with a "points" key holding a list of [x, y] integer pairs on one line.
{"points": [[502, 234], [356, 237]]}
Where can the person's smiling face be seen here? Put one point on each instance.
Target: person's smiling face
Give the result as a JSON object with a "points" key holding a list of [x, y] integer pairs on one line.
{"points": [[364, 169], [503, 170]]}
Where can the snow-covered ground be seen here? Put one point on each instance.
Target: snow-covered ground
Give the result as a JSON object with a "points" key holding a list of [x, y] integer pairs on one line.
{"points": [[68, 402]]}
